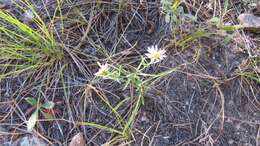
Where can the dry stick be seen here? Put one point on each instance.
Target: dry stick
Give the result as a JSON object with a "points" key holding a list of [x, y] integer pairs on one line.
{"points": [[243, 121], [257, 137], [83, 38], [44, 138], [4, 117], [122, 35], [145, 135], [156, 129], [86, 32], [222, 110], [222, 119]]}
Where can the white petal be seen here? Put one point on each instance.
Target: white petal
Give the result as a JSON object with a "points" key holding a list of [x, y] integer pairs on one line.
{"points": [[156, 47], [150, 50], [99, 64], [148, 55], [163, 51]]}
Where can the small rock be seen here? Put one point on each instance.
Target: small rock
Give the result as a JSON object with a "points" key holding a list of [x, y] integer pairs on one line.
{"points": [[8, 3], [166, 137], [78, 140], [238, 126], [144, 118], [230, 141], [5, 2], [249, 21], [29, 141], [229, 120], [2, 6]]}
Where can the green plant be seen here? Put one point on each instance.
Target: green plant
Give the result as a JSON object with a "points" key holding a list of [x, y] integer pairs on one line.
{"points": [[172, 10], [251, 70], [25, 47], [39, 107], [174, 13], [136, 78], [223, 29]]}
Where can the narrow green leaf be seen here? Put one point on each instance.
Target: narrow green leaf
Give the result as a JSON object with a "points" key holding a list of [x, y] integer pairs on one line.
{"points": [[109, 129], [31, 101], [225, 6], [48, 105], [232, 27]]}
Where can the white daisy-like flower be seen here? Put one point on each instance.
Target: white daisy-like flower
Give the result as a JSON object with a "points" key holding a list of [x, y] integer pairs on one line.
{"points": [[103, 70], [155, 54], [28, 16]]}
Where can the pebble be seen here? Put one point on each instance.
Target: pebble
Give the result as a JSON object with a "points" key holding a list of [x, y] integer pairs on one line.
{"points": [[144, 118], [78, 140], [249, 22], [231, 141]]}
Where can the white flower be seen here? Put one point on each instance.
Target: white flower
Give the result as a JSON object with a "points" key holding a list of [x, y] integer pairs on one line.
{"points": [[29, 14], [103, 70], [155, 54]]}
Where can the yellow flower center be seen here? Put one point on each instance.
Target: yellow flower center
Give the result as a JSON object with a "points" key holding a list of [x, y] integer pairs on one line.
{"points": [[156, 55], [103, 72]]}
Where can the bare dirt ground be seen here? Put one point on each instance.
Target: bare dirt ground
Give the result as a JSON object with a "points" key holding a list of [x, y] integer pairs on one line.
{"points": [[206, 102]]}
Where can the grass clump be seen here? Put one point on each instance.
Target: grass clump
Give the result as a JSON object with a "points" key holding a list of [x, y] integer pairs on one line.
{"points": [[250, 70], [24, 46]]}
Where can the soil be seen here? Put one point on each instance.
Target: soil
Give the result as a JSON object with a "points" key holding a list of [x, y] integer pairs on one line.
{"points": [[204, 103]]}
